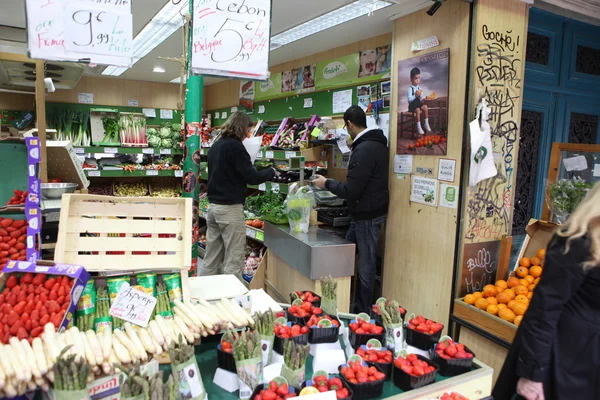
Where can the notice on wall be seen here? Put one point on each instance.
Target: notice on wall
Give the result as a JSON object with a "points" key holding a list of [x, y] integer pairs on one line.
{"points": [[342, 101], [149, 112], [133, 305], [423, 44], [166, 114], [596, 170], [448, 196], [403, 164], [424, 191], [87, 31], [577, 163], [232, 39], [233, 109], [261, 109], [132, 103], [308, 103], [479, 266], [85, 98], [446, 170]]}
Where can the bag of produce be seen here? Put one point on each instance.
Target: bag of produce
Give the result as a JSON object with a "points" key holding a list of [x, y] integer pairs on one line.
{"points": [[299, 206], [114, 285], [248, 362], [329, 295], [186, 372], [136, 386], [102, 318], [173, 284], [70, 377], [265, 326], [86, 308], [163, 305], [294, 363], [392, 322]]}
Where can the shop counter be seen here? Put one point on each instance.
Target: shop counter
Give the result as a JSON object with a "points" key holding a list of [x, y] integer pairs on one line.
{"points": [[298, 260]]}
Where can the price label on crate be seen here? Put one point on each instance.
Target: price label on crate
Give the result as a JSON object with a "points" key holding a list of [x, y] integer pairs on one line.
{"points": [[110, 150], [260, 235], [202, 152], [79, 150], [148, 151], [165, 151], [133, 305], [151, 172], [259, 155], [269, 154], [262, 187], [275, 187], [290, 154], [250, 233], [93, 173], [178, 173]]}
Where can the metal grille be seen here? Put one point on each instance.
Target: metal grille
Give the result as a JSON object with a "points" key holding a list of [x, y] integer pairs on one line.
{"points": [[588, 60], [538, 48], [583, 128]]}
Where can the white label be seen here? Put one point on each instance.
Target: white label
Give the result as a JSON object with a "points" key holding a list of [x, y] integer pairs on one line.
{"points": [[151, 172], [165, 151], [342, 101], [446, 170], [266, 350], [133, 305], [448, 196], [250, 233], [224, 115], [110, 150], [217, 115], [93, 173], [178, 173], [148, 151], [290, 154], [166, 114], [234, 109], [269, 155], [308, 103], [261, 109], [427, 43], [132, 103], [596, 170], [262, 187], [85, 98], [259, 155], [149, 112], [424, 191], [79, 150], [275, 187], [577, 163], [403, 164], [202, 151]]}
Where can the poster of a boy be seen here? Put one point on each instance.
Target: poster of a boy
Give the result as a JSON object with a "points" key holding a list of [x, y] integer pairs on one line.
{"points": [[415, 101]]}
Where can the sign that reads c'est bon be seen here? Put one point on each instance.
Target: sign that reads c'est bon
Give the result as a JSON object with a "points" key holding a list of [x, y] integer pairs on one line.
{"points": [[96, 31], [232, 38]]}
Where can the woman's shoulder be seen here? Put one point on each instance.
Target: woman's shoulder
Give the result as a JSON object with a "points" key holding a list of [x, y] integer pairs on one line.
{"points": [[577, 248]]}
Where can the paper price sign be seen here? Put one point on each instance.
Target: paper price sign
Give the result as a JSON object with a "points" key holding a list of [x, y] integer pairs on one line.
{"points": [[133, 305], [250, 233], [232, 38], [151, 172]]}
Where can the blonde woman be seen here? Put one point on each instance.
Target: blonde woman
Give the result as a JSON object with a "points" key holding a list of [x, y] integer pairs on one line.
{"points": [[230, 169], [556, 352]]}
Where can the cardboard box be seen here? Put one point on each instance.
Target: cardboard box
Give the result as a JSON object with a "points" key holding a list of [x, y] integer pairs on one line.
{"points": [[76, 272], [539, 234]]}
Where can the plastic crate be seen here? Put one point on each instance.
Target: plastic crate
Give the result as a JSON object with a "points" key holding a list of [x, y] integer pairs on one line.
{"points": [[408, 382], [454, 366]]}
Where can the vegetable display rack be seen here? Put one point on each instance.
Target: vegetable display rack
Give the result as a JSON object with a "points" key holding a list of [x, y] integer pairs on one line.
{"points": [[117, 235]]}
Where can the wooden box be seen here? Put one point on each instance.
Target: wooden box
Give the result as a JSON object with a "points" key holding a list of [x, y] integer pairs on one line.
{"points": [[484, 320], [116, 234], [539, 234]]}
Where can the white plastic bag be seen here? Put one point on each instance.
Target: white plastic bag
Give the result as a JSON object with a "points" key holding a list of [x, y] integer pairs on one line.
{"points": [[252, 146], [482, 164], [299, 206]]}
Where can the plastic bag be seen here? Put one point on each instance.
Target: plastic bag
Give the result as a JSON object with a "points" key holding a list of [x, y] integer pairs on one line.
{"points": [[252, 146], [564, 196], [482, 159], [298, 207]]}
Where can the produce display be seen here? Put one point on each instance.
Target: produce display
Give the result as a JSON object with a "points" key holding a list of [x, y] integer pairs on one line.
{"points": [[136, 384], [267, 138], [448, 350], [376, 309], [112, 129], [13, 234], [18, 198], [273, 391], [133, 130], [509, 299], [291, 136], [423, 325], [288, 332], [306, 296], [413, 365], [269, 206], [359, 373], [318, 321], [378, 356], [123, 189], [453, 396], [167, 136], [304, 310], [325, 384], [71, 125], [361, 327], [255, 223], [71, 372]]}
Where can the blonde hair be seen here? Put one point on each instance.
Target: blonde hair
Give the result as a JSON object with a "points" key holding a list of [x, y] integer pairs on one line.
{"points": [[237, 126], [585, 220]]}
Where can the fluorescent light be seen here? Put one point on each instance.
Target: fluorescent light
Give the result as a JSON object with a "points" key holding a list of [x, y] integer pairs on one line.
{"points": [[339, 16], [159, 70], [168, 20]]}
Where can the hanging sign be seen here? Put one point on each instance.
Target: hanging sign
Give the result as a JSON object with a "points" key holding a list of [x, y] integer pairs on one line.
{"points": [[232, 38], [81, 31]]}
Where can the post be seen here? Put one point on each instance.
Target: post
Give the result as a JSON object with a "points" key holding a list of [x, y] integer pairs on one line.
{"points": [[40, 112], [193, 118]]}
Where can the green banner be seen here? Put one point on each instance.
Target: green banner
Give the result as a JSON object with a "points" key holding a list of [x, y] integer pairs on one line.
{"points": [[270, 89]]}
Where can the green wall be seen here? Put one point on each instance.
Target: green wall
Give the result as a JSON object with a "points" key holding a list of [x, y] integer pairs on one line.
{"points": [[52, 107]]}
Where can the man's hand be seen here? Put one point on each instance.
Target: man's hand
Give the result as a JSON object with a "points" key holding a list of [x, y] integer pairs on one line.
{"points": [[319, 181], [530, 390]]}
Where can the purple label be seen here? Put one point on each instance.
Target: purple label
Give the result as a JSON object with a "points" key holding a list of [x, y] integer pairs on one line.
{"points": [[33, 211]]}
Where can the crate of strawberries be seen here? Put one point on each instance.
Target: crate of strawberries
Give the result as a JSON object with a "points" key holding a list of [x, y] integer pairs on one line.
{"points": [[300, 311], [13, 240], [453, 358], [363, 329], [33, 294], [414, 371], [423, 333], [325, 383], [18, 199], [374, 354], [366, 382], [323, 329], [289, 331], [306, 296]]}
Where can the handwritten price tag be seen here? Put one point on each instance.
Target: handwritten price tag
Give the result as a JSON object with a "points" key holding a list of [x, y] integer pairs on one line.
{"points": [[165, 151], [290, 154], [275, 187], [133, 305], [259, 155], [148, 151], [269, 155], [110, 150], [79, 150], [260, 236], [178, 173], [93, 173], [262, 187], [151, 172], [250, 233]]}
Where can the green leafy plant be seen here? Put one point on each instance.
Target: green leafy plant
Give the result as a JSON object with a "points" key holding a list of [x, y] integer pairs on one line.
{"points": [[565, 196]]}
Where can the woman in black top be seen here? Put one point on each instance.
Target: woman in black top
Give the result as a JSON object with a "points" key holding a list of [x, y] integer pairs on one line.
{"points": [[556, 352], [230, 169]]}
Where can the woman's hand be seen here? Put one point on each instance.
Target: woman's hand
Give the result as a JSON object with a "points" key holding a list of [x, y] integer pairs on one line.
{"points": [[530, 390]]}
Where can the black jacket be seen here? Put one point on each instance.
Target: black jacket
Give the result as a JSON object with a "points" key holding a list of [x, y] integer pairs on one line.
{"points": [[230, 169], [558, 341], [366, 187]]}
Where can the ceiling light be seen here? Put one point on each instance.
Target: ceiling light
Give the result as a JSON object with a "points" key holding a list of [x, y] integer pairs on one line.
{"points": [[343, 14], [168, 20], [159, 70]]}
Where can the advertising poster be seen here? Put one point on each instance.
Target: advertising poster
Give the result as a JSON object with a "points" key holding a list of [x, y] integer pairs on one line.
{"points": [[424, 191], [247, 94], [270, 89], [299, 80]]}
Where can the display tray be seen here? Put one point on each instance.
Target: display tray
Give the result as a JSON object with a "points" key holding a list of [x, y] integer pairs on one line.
{"points": [[485, 321]]}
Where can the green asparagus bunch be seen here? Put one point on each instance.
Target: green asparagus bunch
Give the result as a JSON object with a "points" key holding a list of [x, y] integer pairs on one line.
{"points": [[163, 304], [182, 352], [247, 346], [102, 306], [152, 388], [265, 323], [295, 355], [329, 287], [70, 374], [390, 312]]}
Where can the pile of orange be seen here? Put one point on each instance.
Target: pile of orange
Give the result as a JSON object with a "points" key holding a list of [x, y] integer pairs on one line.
{"points": [[509, 299]]}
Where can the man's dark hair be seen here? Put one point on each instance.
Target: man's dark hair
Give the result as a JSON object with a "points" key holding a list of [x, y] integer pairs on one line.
{"points": [[357, 116], [414, 72]]}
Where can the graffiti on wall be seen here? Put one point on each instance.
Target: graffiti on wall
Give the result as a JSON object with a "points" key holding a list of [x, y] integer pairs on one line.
{"points": [[499, 72]]}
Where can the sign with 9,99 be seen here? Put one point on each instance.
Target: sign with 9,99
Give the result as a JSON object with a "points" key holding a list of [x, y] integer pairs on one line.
{"points": [[232, 38]]}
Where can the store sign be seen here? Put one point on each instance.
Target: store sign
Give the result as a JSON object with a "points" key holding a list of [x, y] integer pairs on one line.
{"points": [[479, 266], [133, 305], [269, 89], [232, 38], [86, 31]]}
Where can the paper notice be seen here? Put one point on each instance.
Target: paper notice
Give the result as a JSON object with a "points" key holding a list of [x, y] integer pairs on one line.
{"points": [[308, 103], [166, 114], [149, 112], [403, 164], [342, 143], [577, 163], [261, 109], [85, 98], [448, 196], [132, 103], [342, 101], [597, 170]]}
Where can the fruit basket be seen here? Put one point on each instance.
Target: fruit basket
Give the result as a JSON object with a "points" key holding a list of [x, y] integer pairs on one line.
{"points": [[342, 390], [308, 296], [423, 333], [361, 332], [298, 334], [367, 389], [300, 312], [381, 358], [452, 358], [275, 389], [404, 376], [324, 329]]}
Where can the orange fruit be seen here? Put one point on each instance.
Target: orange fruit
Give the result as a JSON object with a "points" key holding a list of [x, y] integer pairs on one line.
{"points": [[481, 304], [524, 282], [478, 295], [529, 295], [510, 293], [541, 254], [521, 289], [490, 291], [518, 320], [492, 300], [530, 288], [511, 304], [536, 271], [501, 284], [507, 314], [521, 272], [536, 261], [529, 279], [492, 309], [525, 262], [536, 281], [512, 282], [501, 306], [502, 298], [470, 299], [520, 308], [522, 298]]}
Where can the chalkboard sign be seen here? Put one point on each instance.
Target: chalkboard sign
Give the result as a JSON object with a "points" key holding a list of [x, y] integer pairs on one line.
{"points": [[232, 38], [81, 31], [479, 266]]}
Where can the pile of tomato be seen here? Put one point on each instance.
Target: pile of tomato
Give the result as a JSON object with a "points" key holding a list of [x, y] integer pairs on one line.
{"points": [[267, 138]]}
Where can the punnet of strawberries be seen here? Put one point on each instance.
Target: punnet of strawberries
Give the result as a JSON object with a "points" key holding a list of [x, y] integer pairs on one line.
{"points": [[29, 302], [361, 327], [414, 366], [453, 396], [273, 391], [325, 384], [381, 356], [307, 296], [356, 372], [288, 332], [423, 325], [305, 310], [227, 347], [18, 198], [314, 321], [449, 350]]}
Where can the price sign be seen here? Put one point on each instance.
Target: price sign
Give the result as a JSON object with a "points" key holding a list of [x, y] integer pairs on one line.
{"points": [[79, 150], [178, 173], [151, 172], [93, 173], [250, 233], [232, 38], [262, 187], [275, 187], [133, 305], [165, 151], [269, 155], [110, 150], [260, 236], [259, 155], [290, 154]]}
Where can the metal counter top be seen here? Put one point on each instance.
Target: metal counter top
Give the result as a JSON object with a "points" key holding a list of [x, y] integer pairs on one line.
{"points": [[314, 254]]}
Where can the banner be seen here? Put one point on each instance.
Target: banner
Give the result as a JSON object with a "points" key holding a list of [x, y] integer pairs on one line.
{"points": [[247, 94], [270, 89]]}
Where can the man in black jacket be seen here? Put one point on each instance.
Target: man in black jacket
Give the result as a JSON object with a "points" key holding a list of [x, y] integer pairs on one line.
{"points": [[367, 196]]}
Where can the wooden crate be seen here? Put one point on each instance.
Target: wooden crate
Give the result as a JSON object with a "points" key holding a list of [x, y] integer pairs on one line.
{"points": [[484, 320], [93, 228]]}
